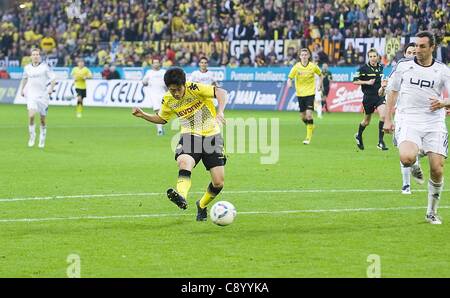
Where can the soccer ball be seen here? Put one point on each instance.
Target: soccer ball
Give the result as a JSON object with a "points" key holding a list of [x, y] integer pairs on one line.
{"points": [[222, 213]]}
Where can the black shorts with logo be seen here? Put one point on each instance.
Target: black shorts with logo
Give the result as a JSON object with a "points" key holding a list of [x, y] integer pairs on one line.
{"points": [[371, 102], [81, 92], [208, 149], [306, 103]]}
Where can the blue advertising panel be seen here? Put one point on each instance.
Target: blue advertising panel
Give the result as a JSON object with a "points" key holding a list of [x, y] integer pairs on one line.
{"points": [[340, 73], [8, 90]]}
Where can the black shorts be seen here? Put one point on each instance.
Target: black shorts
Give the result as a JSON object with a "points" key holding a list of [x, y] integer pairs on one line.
{"points": [[208, 149], [370, 103], [306, 103], [81, 92]]}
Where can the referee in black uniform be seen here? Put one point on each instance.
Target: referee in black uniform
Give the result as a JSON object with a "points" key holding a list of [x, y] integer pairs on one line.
{"points": [[369, 76]]}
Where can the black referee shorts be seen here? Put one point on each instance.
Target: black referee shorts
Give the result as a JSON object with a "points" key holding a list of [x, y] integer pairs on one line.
{"points": [[371, 102]]}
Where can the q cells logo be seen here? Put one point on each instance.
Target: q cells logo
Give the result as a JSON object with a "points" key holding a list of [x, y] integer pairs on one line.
{"points": [[100, 92]]}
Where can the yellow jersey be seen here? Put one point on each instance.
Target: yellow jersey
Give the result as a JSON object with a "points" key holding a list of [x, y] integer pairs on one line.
{"points": [[79, 76], [305, 84], [195, 110]]}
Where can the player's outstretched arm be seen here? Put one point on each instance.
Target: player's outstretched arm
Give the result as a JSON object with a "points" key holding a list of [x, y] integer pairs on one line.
{"points": [[382, 90], [289, 83], [320, 82], [221, 96], [390, 104], [52, 87], [23, 84], [137, 112]]}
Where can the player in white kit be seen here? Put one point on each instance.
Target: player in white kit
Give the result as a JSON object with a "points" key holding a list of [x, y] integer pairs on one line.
{"points": [[34, 88], [409, 52], [420, 122], [154, 78], [318, 96], [203, 75]]}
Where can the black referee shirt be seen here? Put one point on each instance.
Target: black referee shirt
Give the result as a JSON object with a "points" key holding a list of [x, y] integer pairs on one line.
{"points": [[367, 72]]}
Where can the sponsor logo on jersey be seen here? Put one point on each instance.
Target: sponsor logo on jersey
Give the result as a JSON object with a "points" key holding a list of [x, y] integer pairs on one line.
{"points": [[422, 83]]}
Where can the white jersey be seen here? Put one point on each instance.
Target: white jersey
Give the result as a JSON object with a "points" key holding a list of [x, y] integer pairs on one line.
{"points": [[37, 79], [206, 78], [318, 94], [157, 88], [155, 79], [416, 84]]}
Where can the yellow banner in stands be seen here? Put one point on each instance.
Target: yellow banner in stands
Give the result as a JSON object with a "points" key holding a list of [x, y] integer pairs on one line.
{"points": [[392, 47]]}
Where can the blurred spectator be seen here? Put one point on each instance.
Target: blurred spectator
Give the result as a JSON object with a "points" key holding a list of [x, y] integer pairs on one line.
{"points": [[260, 59], [106, 72], [214, 58], [233, 62], [4, 73], [244, 55], [114, 74]]}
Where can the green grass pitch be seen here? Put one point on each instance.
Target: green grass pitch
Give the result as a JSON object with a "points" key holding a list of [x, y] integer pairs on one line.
{"points": [[97, 191]]}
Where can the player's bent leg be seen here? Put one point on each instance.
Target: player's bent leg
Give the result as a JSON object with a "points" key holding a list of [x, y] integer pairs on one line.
{"points": [[381, 112], [213, 190], [408, 153], [43, 132], [406, 179], [435, 186], [185, 164], [31, 128], [79, 106], [309, 126], [408, 157], [159, 127], [362, 126]]}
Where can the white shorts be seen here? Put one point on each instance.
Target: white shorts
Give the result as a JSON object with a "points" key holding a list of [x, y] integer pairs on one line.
{"points": [[318, 96], [156, 100], [38, 105], [431, 141]]}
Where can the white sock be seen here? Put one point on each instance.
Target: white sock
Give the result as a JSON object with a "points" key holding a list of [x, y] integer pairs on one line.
{"points": [[406, 174], [43, 132], [31, 130], [159, 127], [319, 110], [434, 194]]}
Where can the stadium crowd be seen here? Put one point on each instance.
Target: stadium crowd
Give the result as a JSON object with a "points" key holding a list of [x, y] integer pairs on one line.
{"points": [[119, 31]]}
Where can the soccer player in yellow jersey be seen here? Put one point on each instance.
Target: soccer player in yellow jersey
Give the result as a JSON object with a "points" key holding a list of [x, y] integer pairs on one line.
{"points": [[80, 74], [200, 138], [305, 86]]}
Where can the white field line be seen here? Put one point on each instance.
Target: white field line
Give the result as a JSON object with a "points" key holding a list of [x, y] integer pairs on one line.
{"points": [[132, 216], [93, 196]]}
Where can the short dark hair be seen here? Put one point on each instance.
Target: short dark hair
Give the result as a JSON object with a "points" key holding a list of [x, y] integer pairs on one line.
{"points": [[411, 44], [307, 51], [428, 34], [203, 58], [175, 76], [372, 50]]}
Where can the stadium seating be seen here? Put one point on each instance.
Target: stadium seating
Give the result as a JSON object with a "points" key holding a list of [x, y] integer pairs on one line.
{"points": [[129, 33]]}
